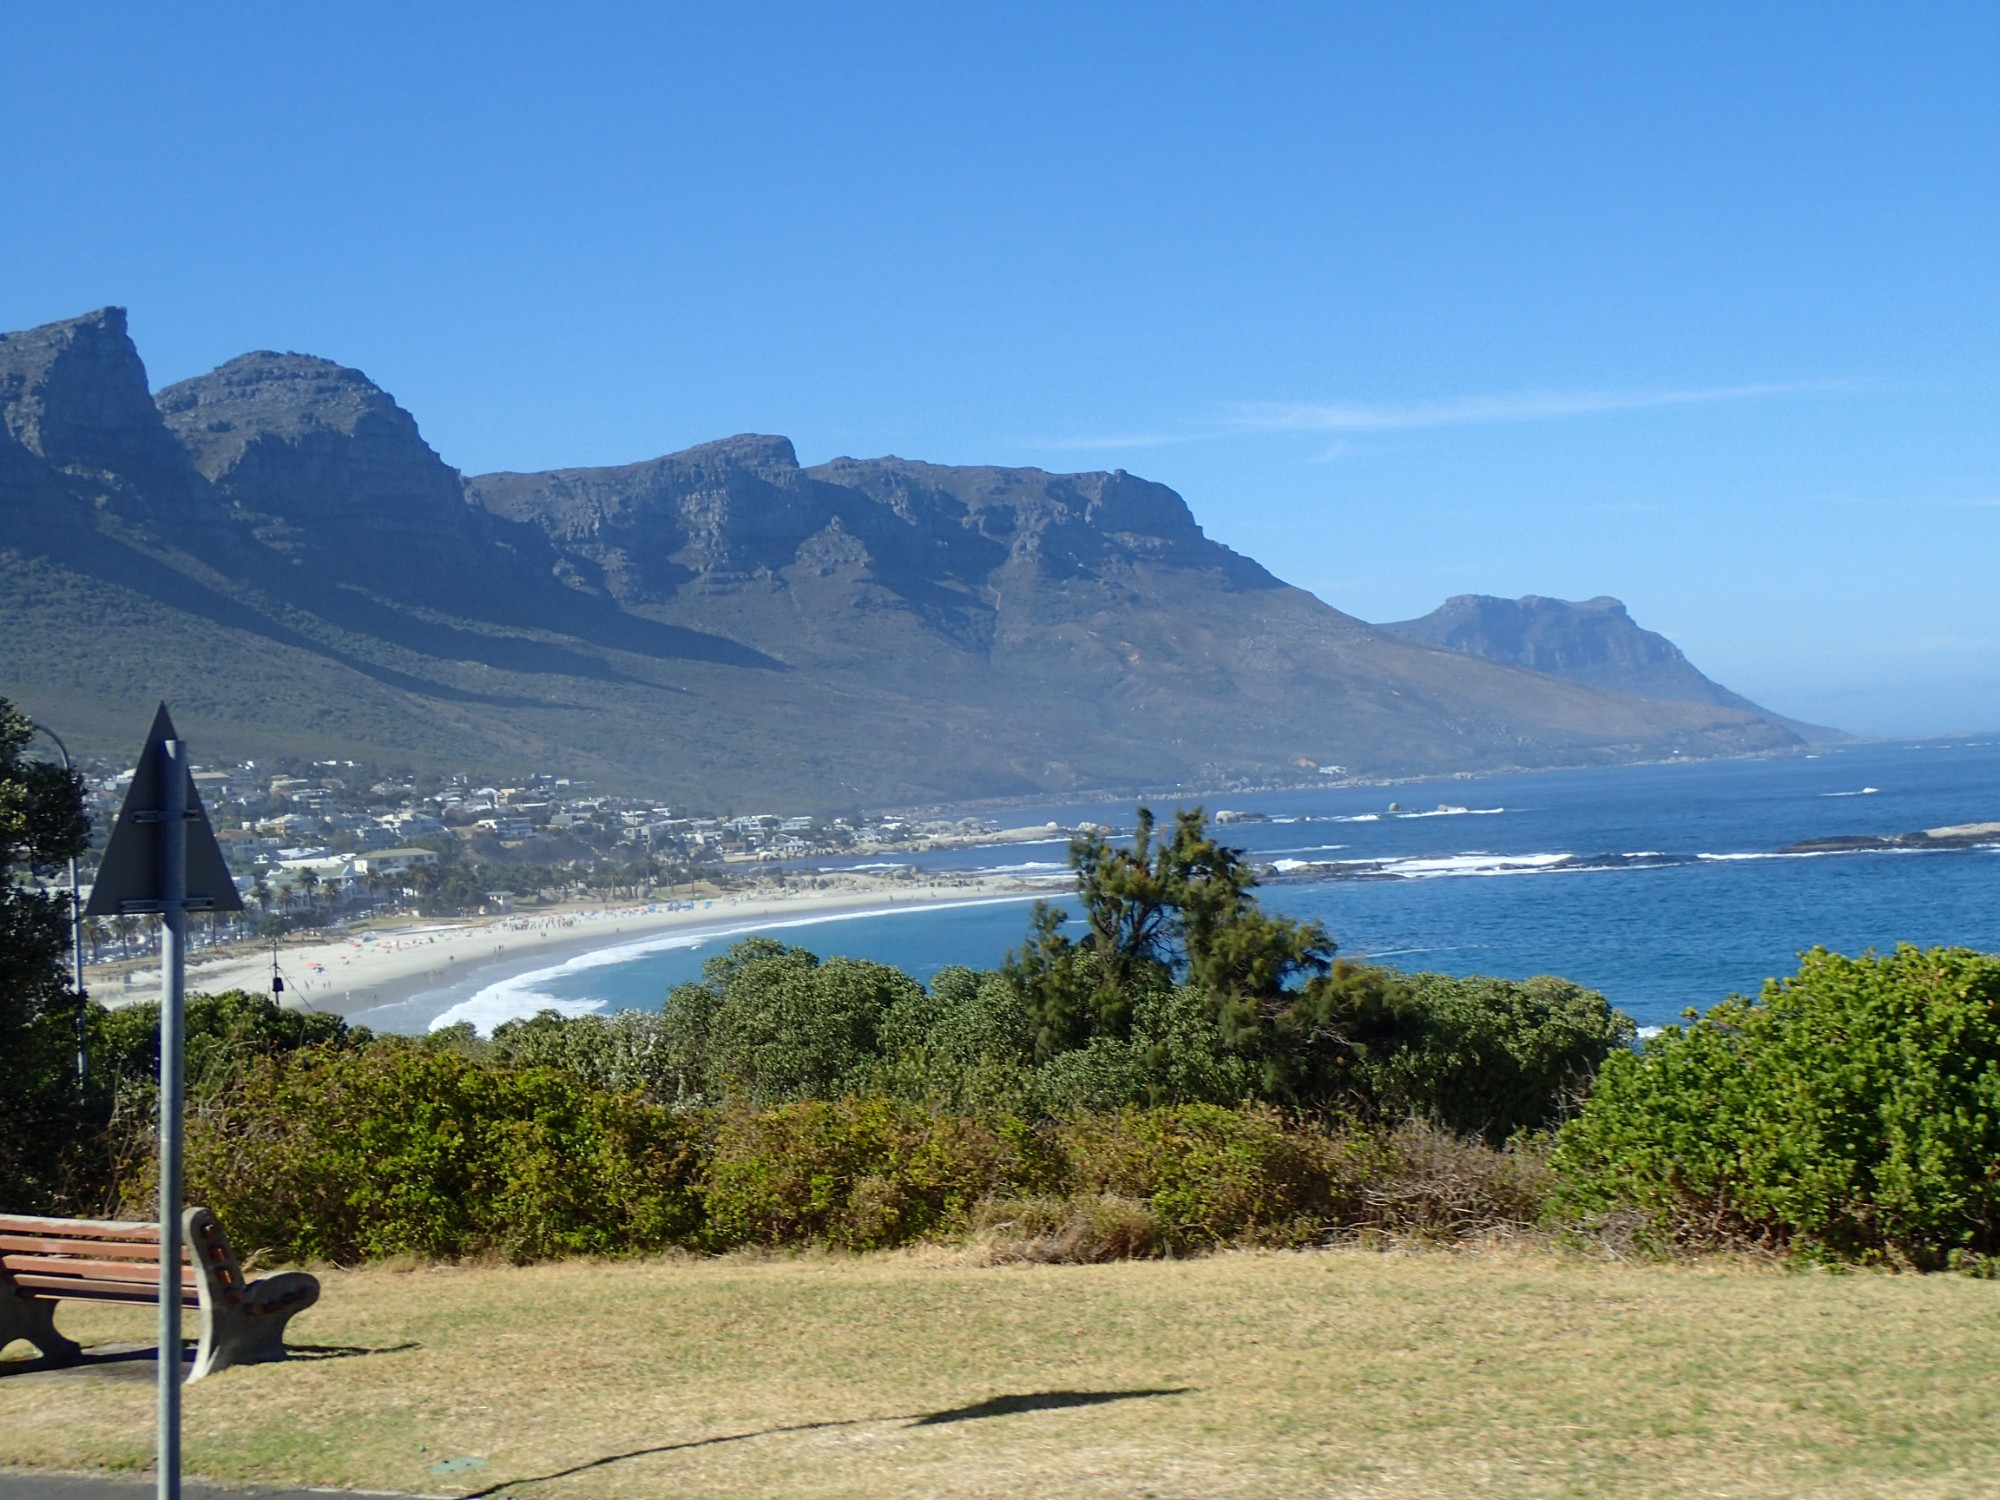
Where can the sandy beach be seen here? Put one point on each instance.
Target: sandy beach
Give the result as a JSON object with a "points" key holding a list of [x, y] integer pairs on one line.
{"points": [[399, 976]]}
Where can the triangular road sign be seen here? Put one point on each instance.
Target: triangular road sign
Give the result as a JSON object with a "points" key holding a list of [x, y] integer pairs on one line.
{"points": [[129, 878]]}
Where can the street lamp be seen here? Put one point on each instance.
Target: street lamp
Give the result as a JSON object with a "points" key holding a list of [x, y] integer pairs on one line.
{"points": [[75, 930]]}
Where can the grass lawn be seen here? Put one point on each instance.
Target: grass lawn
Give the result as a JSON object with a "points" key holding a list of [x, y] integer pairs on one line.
{"points": [[1337, 1374]]}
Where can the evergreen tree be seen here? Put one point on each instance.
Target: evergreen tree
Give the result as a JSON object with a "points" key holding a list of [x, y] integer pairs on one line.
{"points": [[1161, 912], [41, 825]]}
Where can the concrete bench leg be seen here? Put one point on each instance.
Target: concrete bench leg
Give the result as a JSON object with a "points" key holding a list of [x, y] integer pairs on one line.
{"points": [[251, 1330], [34, 1319], [240, 1325]]}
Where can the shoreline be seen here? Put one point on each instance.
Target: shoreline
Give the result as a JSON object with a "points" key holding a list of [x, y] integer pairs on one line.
{"points": [[1181, 796], [431, 965]]}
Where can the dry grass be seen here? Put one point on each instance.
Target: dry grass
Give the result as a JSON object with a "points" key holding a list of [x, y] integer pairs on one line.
{"points": [[1514, 1373]]}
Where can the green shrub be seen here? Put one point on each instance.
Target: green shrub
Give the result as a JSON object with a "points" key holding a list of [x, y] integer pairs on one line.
{"points": [[393, 1150], [862, 1174], [1216, 1176], [1853, 1111], [770, 1023], [223, 1033], [964, 1046], [1490, 1057], [1174, 1054], [629, 1051]]}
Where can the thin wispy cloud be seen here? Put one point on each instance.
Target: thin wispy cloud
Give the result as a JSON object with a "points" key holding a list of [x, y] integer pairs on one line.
{"points": [[1472, 411], [1362, 417], [1120, 440]]}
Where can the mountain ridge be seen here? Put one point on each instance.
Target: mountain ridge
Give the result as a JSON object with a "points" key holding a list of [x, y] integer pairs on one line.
{"points": [[1592, 641], [275, 547]]}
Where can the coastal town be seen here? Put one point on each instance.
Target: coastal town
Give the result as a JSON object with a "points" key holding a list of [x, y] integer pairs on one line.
{"points": [[335, 842]]}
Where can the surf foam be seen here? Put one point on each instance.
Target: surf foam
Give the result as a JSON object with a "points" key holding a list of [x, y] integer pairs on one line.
{"points": [[521, 996]]}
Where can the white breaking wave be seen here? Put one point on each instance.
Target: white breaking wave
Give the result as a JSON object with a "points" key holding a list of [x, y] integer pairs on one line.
{"points": [[1431, 867], [521, 996], [498, 1004], [1472, 864], [1450, 812], [1793, 854]]}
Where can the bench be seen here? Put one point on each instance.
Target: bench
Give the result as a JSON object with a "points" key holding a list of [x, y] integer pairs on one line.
{"points": [[46, 1261]]}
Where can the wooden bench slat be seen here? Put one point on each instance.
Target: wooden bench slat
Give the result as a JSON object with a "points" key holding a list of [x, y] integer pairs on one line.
{"points": [[36, 1244], [80, 1289], [99, 1229], [102, 1270]]}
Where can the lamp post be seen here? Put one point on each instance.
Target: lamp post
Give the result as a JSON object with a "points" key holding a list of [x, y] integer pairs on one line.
{"points": [[75, 930]]}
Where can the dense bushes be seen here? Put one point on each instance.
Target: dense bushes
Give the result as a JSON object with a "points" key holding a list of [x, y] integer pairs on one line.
{"points": [[348, 1152], [1853, 1111], [223, 1033], [1214, 1176], [771, 1024], [1490, 1057], [386, 1149], [863, 1173]]}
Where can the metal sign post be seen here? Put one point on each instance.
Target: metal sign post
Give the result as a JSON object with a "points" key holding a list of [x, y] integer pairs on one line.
{"points": [[162, 857], [173, 1083]]}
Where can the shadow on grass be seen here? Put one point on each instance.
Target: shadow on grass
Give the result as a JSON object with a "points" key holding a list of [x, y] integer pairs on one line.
{"points": [[997, 1406], [346, 1351], [1007, 1406], [117, 1359]]}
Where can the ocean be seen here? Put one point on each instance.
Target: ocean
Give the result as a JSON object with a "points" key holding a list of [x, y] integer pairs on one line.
{"points": [[1663, 886]]}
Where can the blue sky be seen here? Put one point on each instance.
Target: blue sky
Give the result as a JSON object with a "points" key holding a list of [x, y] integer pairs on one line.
{"points": [[1698, 306]]}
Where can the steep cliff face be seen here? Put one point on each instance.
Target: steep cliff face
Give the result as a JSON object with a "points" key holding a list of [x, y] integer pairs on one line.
{"points": [[76, 409], [824, 560], [325, 469], [727, 511]]}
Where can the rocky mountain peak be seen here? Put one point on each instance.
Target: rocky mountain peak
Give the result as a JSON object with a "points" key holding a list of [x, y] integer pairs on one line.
{"points": [[74, 395], [1576, 639], [308, 441], [760, 453], [282, 397], [1595, 642]]}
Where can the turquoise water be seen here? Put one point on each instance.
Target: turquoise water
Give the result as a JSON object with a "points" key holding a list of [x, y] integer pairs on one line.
{"points": [[1673, 893]]}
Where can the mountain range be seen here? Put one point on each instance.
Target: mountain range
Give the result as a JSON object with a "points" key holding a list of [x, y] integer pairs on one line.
{"points": [[275, 549]]}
